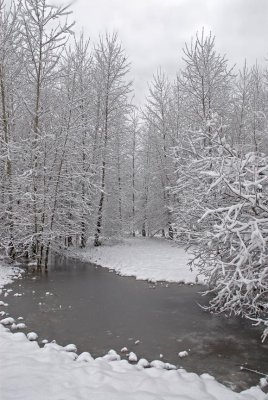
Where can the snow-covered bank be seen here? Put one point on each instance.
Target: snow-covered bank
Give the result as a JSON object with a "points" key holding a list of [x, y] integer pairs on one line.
{"points": [[145, 258], [29, 372], [8, 273]]}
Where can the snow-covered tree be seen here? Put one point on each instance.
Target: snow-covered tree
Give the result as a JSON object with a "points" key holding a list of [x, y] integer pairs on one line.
{"points": [[44, 31], [249, 113], [9, 83], [241, 111], [161, 130], [206, 79], [133, 159], [111, 68], [206, 86], [70, 179]]}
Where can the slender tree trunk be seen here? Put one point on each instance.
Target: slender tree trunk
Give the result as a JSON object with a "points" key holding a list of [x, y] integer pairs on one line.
{"points": [[36, 131], [133, 182], [99, 219], [55, 202], [11, 248], [146, 190], [103, 173], [83, 196], [119, 190]]}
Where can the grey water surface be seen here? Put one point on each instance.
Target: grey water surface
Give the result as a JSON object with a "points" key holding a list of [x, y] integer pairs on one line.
{"points": [[99, 310]]}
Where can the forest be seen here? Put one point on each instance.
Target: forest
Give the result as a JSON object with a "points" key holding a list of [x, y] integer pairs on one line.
{"points": [[80, 161]]}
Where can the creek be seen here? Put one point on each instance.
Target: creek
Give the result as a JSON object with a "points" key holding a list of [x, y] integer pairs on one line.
{"points": [[77, 302]]}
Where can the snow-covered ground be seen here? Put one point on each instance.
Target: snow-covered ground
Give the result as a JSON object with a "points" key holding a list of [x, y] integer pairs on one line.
{"points": [[29, 372], [145, 258], [7, 274]]}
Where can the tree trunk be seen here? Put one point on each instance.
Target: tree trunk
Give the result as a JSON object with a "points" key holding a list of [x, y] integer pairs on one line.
{"points": [[99, 219], [11, 248]]}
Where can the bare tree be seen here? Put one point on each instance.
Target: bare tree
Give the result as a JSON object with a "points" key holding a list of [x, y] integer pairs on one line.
{"points": [[206, 83], [158, 113], [44, 36], [9, 71], [111, 69]]}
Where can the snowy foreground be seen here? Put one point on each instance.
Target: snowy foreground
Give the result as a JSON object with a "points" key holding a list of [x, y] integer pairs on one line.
{"points": [[28, 372], [146, 259]]}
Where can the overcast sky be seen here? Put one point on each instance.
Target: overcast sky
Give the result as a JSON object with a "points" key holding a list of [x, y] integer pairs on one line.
{"points": [[153, 32]]}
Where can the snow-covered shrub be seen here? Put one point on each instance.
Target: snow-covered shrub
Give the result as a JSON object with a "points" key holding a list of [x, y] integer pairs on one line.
{"points": [[232, 249]]}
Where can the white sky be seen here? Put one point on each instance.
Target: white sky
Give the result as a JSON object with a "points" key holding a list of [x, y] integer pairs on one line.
{"points": [[153, 32]]}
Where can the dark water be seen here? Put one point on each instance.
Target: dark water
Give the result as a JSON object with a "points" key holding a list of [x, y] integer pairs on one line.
{"points": [[99, 310]]}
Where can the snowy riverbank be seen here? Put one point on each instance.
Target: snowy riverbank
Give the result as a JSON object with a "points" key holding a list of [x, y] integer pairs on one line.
{"points": [[144, 258], [7, 274], [29, 372]]}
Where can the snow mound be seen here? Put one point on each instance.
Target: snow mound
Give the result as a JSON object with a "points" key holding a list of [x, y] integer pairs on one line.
{"points": [[112, 356], [169, 366], [143, 363], [183, 354], [21, 325], [70, 347], [158, 364], [7, 321], [32, 336], [85, 357], [132, 357]]}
